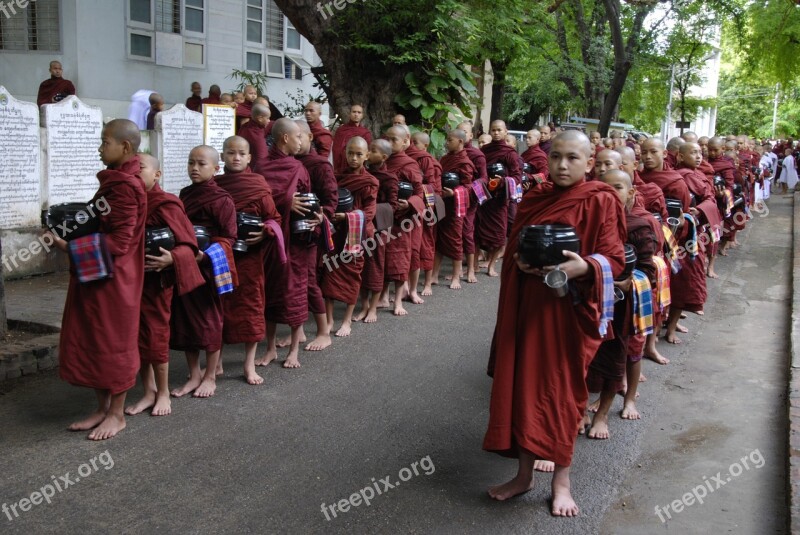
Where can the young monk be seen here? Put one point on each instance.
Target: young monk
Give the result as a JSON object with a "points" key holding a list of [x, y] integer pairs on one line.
{"points": [[372, 280], [342, 280], [287, 293], [245, 108], [432, 184], [725, 168], [105, 357], [197, 317], [534, 155], [156, 105], [479, 161], [450, 229], [243, 309], [166, 273], [347, 131], [54, 87], [238, 98], [539, 389], [483, 140], [195, 101], [613, 361], [323, 141], [227, 100], [323, 184], [253, 131], [493, 214]]}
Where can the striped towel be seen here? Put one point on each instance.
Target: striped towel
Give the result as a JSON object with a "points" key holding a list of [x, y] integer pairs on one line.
{"points": [[276, 229], [691, 244], [430, 196], [607, 311], [663, 296], [222, 273], [461, 201], [672, 249], [513, 190], [480, 192], [538, 178], [90, 258], [642, 304], [327, 234], [728, 202], [355, 231]]}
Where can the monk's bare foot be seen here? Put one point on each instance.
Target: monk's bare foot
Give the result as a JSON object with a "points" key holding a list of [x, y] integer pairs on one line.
{"points": [[384, 303], [455, 285], [90, 422], [492, 273], [147, 401], [344, 330], [515, 487], [683, 315], [540, 465], [207, 388], [319, 343], [593, 406], [372, 317], [629, 411], [471, 278], [700, 313], [286, 342], [723, 253], [163, 406], [190, 386], [399, 310], [415, 298], [735, 244], [672, 339], [252, 377], [642, 378], [681, 329], [360, 316], [585, 422], [427, 290], [483, 265], [563, 504], [447, 278], [657, 357], [713, 275], [291, 360], [108, 428], [599, 429], [267, 358]]}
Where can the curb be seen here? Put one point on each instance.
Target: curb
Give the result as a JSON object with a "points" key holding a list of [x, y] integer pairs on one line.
{"points": [[793, 481], [30, 356]]}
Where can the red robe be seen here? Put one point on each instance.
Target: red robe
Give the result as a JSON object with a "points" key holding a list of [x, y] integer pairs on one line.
{"points": [[449, 239], [323, 183], [243, 310], [543, 344], [254, 134], [212, 101], [400, 251], [194, 103], [670, 161], [725, 168], [50, 88], [243, 112], [343, 283], [671, 183], [479, 161], [343, 134], [287, 293], [492, 220], [538, 159], [323, 140], [372, 276], [166, 210], [431, 175], [197, 317], [98, 346]]}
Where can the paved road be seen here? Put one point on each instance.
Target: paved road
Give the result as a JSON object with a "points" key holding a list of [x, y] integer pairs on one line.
{"points": [[414, 390]]}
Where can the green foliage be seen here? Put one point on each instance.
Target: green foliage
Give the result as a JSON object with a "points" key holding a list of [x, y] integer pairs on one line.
{"points": [[770, 41], [298, 101], [744, 104], [245, 78]]}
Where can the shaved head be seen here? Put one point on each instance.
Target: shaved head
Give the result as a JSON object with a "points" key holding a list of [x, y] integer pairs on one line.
{"points": [[689, 137], [383, 146], [361, 143], [628, 157], [421, 137], [500, 123], [150, 160], [653, 142], [123, 131], [687, 148], [613, 155], [674, 144], [283, 127], [715, 141], [398, 130], [233, 140], [618, 175], [626, 152], [459, 134], [575, 135], [155, 98], [303, 126], [206, 150], [260, 110]]}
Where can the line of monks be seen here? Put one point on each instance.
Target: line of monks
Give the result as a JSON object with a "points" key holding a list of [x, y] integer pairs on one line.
{"points": [[675, 210]]}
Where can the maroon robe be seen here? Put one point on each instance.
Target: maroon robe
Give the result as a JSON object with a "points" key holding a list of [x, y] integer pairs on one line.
{"points": [[431, 175], [725, 168], [450, 230], [166, 210], [243, 112], [197, 317], [492, 220], [343, 282], [343, 134], [479, 161], [670, 160], [150, 123], [50, 88], [408, 243], [254, 134], [372, 276], [671, 183], [538, 160], [323, 140], [545, 146], [539, 367], [212, 101], [243, 310], [98, 346], [195, 103], [287, 293]]}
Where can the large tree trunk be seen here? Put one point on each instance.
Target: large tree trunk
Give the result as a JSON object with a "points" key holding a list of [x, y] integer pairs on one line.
{"points": [[3, 322], [498, 89]]}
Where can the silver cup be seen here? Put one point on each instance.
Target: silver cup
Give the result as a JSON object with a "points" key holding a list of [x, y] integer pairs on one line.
{"points": [[619, 295], [557, 280], [673, 223]]}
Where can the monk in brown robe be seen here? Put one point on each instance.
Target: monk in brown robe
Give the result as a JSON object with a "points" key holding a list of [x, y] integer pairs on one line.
{"points": [[724, 167], [372, 279], [56, 88], [539, 390], [671, 155], [287, 293], [104, 355], [432, 180], [156, 106], [197, 317], [253, 132], [534, 155], [479, 161], [493, 214], [342, 281], [170, 271], [195, 102], [323, 141], [450, 229], [243, 310], [347, 131], [213, 98], [244, 110]]}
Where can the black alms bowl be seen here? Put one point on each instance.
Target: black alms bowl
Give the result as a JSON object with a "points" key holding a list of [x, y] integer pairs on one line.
{"points": [[450, 180], [203, 237], [154, 238], [630, 261], [719, 182], [304, 223], [345, 201], [541, 245], [405, 190], [71, 220], [496, 169], [674, 208], [245, 224]]}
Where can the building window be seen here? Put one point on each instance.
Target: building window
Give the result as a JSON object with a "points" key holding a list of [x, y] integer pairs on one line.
{"points": [[168, 16], [274, 24], [255, 21], [275, 65], [140, 11], [292, 43], [292, 71], [193, 54], [195, 13], [185, 18], [254, 62], [141, 45], [34, 28]]}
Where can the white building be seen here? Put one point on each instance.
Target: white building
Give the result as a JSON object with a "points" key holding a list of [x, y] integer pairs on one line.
{"points": [[112, 48]]}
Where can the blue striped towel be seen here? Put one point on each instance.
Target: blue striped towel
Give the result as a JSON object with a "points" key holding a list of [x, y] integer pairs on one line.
{"points": [[691, 244], [642, 304], [513, 190], [222, 273], [607, 311]]}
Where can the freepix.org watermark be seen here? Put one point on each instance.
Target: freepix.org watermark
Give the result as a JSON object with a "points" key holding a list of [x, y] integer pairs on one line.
{"points": [[57, 485], [9, 7], [329, 6], [754, 459], [377, 487]]}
